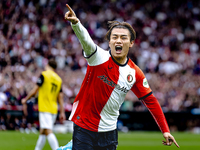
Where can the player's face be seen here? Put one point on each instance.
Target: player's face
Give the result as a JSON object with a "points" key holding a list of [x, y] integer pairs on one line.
{"points": [[120, 43]]}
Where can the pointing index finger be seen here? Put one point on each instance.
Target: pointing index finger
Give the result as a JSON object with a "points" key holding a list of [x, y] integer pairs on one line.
{"points": [[173, 139], [70, 9], [175, 143]]}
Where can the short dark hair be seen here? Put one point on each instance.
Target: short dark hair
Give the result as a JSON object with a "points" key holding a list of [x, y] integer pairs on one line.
{"points": [[124, 25], [52, 63]]}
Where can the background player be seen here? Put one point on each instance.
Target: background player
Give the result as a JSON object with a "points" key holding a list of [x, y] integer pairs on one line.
{"points": [[50, 91], [110, 75]]}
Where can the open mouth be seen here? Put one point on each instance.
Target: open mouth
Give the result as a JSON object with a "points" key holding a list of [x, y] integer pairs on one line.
{"points": [[118, 48]]}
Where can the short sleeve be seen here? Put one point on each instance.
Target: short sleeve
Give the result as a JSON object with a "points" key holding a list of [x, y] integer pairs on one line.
{"points": [[141, 87], [61, 89], [40, 80]]}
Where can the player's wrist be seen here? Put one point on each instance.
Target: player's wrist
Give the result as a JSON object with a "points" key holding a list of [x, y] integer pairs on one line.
{"points": [[24, 100], [166, 133], [75, 22], [62, 112]]}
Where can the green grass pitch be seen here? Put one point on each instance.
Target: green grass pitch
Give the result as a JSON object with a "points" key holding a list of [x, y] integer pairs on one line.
{"points": [[13, 140]]}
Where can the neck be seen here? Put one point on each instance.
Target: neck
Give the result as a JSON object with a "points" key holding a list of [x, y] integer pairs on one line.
{"points": [[49, 68], [121, 61]]}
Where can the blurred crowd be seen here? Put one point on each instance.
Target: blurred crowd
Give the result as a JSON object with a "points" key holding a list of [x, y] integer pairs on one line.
{"points": [[167, 47]]}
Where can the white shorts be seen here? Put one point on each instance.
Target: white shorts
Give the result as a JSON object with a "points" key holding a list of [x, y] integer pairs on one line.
{"points": [[47, 120]]}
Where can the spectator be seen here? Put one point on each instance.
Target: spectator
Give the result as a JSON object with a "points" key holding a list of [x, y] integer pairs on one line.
{"points": [[2, 123], [3, 99]]}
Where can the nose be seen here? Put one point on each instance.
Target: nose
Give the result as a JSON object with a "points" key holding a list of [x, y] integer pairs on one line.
{"points": [[118, 40]]}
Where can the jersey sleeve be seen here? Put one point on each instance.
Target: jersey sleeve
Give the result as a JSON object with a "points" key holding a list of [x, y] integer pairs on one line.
{"points": [[156, 111], [98, 57], [87, 43], [40, 80], [61, 89], [141, 87]]}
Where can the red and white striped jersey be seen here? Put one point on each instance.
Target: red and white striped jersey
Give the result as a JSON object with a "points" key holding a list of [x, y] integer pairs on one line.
{"points": [[103, 91]]}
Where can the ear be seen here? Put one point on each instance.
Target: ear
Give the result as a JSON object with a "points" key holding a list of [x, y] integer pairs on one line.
{"points": [[131, 44], [109, 43]]}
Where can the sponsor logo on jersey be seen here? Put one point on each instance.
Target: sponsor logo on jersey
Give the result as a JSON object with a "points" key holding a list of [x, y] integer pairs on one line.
{"points": [[145, 83], [112, 84], [129, 78]]}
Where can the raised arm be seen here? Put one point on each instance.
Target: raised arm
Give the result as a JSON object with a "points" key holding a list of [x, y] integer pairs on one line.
{"points": [[87, 43]]}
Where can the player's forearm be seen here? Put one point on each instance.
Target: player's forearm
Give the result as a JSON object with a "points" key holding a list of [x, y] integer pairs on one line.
{"points": [[29, 96], [62, 110], [32, 93], [87, 43], [61, 103], [154, 107]]}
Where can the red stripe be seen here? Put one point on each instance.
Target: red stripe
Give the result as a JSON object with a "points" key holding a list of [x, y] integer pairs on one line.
{"points": [[94, 94]]}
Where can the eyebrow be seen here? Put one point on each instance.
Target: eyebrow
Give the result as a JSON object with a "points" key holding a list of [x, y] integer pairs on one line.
{"points": [[119, 35]]}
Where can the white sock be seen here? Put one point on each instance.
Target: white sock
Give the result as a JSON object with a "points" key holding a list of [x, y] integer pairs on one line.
{"points": [[40, 142], [53, 142]]}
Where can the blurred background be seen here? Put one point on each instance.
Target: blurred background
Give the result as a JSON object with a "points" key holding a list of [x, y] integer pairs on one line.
{"points": [[167, 49]]}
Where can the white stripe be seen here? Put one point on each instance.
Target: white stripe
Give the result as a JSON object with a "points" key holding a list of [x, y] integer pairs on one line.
{"points": [[110, 112], [75, 105]]}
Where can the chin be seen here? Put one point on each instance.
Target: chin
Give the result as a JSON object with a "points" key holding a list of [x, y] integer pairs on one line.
{"points": [[119, 55]]}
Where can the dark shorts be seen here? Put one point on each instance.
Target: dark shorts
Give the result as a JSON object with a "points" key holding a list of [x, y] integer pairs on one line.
{"points": [[87, 140]]}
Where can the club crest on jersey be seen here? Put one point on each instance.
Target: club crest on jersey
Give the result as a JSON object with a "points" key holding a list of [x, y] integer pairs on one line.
{"points": [[145, 83], [129, 78]]}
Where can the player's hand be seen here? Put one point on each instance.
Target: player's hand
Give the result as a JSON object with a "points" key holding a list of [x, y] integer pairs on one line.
{"points": [[169, 139], [62, 117], [71, 16], [23, 101]]}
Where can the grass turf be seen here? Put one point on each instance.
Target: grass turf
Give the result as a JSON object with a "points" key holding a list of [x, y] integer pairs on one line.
{"points": [[12, 140]]}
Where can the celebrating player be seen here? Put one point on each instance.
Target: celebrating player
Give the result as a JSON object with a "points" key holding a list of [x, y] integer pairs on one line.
{"points": [[50, 91], [110, 75]]}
